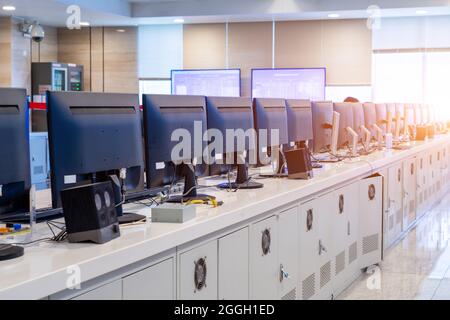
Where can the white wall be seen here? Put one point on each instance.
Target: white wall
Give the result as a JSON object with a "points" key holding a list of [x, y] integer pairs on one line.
{"points": [[160, 49]]}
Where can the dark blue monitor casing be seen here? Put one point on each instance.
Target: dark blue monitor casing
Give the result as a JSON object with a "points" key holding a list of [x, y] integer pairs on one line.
{"points": [[15, 177], [94, 133], [346, 120], [163, 114], [322, 115], [271, 114], [225, 113], [299, 117]]}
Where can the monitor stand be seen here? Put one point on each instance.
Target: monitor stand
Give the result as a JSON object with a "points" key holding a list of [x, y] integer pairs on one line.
{"points": [[280, 166], [242, 180], [190, 186], [123, 217], [9, 252]]}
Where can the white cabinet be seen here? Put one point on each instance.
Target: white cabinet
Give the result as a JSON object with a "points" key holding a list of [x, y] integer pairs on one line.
{"points": [[153, 283], [324, 247], [110, 291], [264, 268], [370, 250], [197, 273], [394, 203], [308, 249], [421, 185], [409, 193], [430, 192], [288, 253], [315, 258], [234, 266], [344, 216]]}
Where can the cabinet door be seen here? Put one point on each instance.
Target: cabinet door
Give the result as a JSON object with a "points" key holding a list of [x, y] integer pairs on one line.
{"points": [[421, 185], [264, 267], [153, 283], [409, 194], [429, 195], [288, 253], [197, 273], [234, 266], [38, 155], [325, 245], [110, 291], [345, 236], [308, 249], [370, 248], [395, 202]]}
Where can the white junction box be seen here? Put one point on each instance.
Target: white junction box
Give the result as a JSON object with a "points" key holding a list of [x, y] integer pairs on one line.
{"points": [[173, 213]]}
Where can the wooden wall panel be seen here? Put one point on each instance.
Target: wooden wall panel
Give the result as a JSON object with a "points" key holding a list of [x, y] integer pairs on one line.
{"points": [[249, 46], [48, 48], [344, 47], [120, 60], [298, 44], [5, 52], [97, 61], [347, 47], [204, 46], [74, 46]]}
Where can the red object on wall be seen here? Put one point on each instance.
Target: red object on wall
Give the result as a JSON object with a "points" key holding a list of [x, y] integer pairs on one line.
{"points": [[39, 106]]}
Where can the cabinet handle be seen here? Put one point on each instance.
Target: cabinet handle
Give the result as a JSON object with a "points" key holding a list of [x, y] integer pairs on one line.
{"points": [[283, 273], [348, 228], [322, 248]]}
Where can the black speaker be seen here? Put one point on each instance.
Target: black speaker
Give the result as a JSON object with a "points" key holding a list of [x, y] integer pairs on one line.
{"points": [[299, 164], [90, 213]]}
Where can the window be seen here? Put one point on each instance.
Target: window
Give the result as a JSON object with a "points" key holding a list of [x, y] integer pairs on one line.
{"points": [[158, 86], [398, 77]]}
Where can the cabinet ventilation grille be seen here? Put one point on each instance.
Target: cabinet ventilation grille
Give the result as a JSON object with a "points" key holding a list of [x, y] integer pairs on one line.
{"points": [[370, 244], [353, 252], [340, 262], [292, 295], [309, 287], [38, 170], [325, 274]]}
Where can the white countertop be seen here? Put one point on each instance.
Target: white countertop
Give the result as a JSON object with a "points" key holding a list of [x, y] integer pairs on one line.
{"points": [[42, 271]]}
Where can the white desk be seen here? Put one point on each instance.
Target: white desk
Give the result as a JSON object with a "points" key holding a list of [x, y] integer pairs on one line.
{"points": [[42, 271]]}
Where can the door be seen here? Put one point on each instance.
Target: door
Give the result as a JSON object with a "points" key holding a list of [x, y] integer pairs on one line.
{"points": [[308, 250], [325, 246], [288, 248], [409, 193], [234, 266], [264, 267], [395, 202], [197, 273], [153, 283]]}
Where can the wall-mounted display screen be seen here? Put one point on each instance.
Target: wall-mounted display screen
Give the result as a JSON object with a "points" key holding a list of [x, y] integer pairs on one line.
{"points": [[212, 83], [289, 83]]}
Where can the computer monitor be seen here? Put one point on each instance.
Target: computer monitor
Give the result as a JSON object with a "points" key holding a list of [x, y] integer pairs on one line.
{"points": [[95, 137], [417, 114], [289, 83], [15, 178], [390, 116], [270, 115], [381, 113], [207, 82], [174, 126], [322, 116], [345, 110], [232, 117], [370, 117], [358, 119], [299, 117]]}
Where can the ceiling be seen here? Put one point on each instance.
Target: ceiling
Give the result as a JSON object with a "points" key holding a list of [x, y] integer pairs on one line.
{"points": [[142, 12]]}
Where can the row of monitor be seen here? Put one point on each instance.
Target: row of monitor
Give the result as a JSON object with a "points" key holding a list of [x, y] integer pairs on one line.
{"points": [[294, 83], [93, 136]]}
